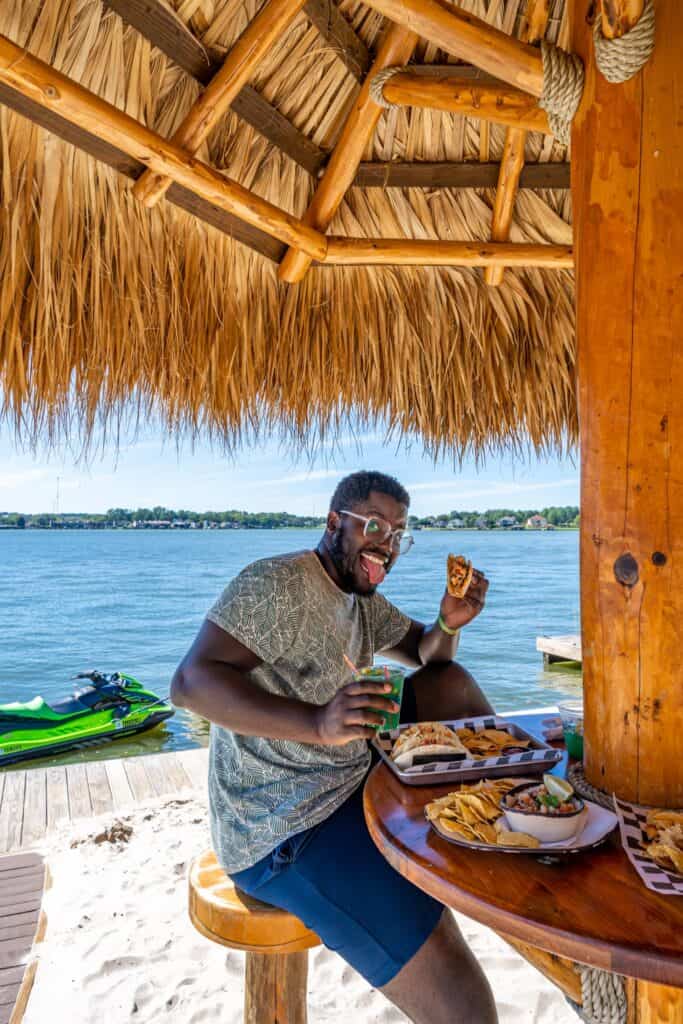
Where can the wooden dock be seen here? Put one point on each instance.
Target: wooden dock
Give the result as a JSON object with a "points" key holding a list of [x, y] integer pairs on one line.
{"points": [[559, 648], [36, 800]]}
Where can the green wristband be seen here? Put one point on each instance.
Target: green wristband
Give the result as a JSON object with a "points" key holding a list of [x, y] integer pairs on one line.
{"points": [[445, 628]]}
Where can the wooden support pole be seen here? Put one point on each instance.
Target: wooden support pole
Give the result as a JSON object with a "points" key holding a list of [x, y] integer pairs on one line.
{"points": [[627, 184], [512, 161], [486, 99], [54, 91], [409, 252], [396, 48], [237, 68], [275, 988], [470, 39]]}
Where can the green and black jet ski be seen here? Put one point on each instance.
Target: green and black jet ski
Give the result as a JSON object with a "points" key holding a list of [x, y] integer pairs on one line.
{"points": [[107, 708]]}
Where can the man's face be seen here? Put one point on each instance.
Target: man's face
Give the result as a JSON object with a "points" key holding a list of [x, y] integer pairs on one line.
{"points": [[362, 562]]}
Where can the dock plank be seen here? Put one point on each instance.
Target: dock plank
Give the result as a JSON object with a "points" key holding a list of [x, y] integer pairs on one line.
{"points": [[196, 765], [121, 793], [57, 796], [138, 778], [12, 810], [34, 825], [79, 794], [166, 774], [559, 648], [98, 785]]}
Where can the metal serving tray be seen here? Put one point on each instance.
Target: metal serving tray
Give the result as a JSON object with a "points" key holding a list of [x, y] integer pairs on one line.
{"points": [[538, 758]]}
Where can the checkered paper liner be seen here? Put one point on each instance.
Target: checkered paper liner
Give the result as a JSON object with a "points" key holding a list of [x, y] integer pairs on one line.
{"points": [[538, 758], [632, 828]]}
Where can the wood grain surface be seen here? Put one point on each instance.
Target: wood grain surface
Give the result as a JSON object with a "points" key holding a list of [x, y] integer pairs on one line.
{"points": [[592, 907]]}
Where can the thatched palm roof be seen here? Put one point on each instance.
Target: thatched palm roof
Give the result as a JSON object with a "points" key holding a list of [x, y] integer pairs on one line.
{"points": [[107, 307]]}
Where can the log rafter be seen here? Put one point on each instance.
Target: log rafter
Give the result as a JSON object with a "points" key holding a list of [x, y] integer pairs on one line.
{"points": [[164, 29], [468, 95], [470, 39], [512, 160], [396, 48], [239, 64], [118, 135]]}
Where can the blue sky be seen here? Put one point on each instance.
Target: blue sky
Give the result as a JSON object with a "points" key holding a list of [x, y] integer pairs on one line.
{"points": [[148, 471]]}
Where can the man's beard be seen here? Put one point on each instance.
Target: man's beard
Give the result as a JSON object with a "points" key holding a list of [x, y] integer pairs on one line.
{"points": [[343, 563]]}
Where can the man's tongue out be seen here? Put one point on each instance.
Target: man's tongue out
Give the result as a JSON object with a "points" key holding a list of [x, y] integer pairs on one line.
{"points": [[374, 567]]}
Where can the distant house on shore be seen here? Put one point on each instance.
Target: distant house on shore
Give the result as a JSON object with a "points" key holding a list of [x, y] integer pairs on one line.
{"points": [[481, 523], [455, 523], [537, 522], [506, 521]]}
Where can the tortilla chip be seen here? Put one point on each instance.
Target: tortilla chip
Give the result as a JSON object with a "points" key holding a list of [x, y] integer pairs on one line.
{"points": [[487, 833], [517, 839], [457, 828]]}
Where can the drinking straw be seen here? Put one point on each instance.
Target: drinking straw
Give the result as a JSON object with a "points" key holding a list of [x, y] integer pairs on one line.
{"points": [[386, 673], [351, 665]]}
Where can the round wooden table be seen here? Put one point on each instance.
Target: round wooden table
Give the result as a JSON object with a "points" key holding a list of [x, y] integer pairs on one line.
{"points": [[591, 907]]}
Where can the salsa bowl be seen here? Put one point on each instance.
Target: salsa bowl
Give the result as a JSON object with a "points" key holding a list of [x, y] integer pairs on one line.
{"points": [[547, 826]]}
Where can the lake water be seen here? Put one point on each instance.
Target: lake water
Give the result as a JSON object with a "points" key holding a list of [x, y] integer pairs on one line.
{"points": [[132, 601]]}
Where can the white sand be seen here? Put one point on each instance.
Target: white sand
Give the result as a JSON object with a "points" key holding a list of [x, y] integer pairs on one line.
{"points": [[120, 948]]}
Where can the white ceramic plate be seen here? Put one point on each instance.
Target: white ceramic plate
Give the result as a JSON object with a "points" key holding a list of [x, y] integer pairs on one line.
{"points": [[598, 824]]}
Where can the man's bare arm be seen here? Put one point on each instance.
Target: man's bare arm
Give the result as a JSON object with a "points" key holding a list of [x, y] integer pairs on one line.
{"points": [[212, 680], [424, 644]]}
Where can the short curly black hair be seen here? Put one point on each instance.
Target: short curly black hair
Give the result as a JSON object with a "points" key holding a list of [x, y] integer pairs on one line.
{"points": [[357, 486]]}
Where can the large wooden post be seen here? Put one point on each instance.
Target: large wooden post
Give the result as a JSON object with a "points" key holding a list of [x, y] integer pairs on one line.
{"points": [[627, 180]]}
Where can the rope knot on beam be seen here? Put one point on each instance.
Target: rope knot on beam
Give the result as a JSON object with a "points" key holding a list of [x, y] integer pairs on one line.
{"points": [[377, 83], [623, 57], [563, 78]]}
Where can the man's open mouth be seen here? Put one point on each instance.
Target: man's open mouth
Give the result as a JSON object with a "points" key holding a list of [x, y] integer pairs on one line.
{"points": [[374, 566]]}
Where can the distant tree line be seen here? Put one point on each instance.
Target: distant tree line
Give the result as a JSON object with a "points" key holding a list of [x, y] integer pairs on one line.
{"points": [[554, 515], [160, 517]]}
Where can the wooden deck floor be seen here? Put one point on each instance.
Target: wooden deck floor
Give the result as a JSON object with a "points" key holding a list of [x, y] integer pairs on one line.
{"points": [[35, 801]]}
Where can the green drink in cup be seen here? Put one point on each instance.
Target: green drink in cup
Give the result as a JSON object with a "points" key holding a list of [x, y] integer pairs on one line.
{"points": [[394, 676]]}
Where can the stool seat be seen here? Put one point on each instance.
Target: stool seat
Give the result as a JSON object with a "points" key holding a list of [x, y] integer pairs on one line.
{"points": [[222, 912]]}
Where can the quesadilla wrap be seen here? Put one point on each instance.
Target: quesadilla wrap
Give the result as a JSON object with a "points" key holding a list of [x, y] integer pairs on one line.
{"points": [[426, 739], [459, 574]]}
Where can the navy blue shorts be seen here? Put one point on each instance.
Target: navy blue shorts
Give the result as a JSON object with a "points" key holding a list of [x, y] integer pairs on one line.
{"points": [[336, 881]]}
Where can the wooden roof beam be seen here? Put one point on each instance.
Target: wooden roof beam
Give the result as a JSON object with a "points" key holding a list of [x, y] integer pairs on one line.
{"points": [[512, 161], [331, 24], [472, 174], [470, 39], [484, 98], [238, 66], [162, 27], [51, 89], [407, 252], [396, 47]]}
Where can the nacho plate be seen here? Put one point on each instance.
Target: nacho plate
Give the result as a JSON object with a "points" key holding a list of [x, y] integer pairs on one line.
{"points": [[598, 824]]}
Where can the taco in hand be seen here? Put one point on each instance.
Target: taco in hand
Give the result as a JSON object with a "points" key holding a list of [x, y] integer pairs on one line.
{"points": [[459, 574]]}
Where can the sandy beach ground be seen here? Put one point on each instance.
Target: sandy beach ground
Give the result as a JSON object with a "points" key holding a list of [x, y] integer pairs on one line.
{"points": [[120, 948]]}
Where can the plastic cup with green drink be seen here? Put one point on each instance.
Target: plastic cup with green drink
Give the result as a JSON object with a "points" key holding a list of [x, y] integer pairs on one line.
{"points": [[393, 676]]}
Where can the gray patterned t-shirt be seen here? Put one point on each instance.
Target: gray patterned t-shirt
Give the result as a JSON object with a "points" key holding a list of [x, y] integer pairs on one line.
{"points": [[288, 611]]}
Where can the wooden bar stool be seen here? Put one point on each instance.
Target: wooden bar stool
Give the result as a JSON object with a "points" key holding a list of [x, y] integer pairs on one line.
{"points": [[276, 943]]}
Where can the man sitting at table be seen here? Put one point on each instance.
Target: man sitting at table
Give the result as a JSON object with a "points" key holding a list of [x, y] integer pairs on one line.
{"points": [[289, 745]]}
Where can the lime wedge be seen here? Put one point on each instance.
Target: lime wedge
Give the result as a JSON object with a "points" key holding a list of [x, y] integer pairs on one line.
{"points": [[558, 787]]}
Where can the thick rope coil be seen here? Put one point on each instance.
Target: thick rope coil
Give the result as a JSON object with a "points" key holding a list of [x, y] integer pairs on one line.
{"points": [[377, 83], [603, 996], [577, 777], [563, 78], [622, 58]]}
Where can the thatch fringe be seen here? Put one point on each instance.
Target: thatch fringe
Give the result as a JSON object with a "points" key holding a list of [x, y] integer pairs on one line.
{"points": [[108, 310]]}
